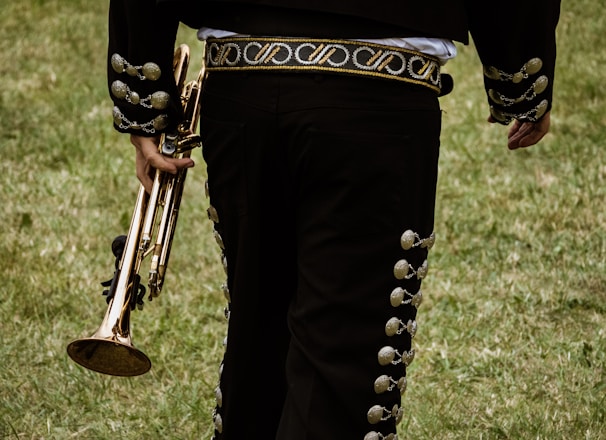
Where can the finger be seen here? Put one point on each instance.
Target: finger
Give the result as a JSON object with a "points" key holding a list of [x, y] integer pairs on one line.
{"points": [[525, 140], [533, 138], [148, 147], [144, 144], [514, 138], [146, 181], [517, 132], [182, 163], [169, 164], [517, 128], [143, 171], [529, 134]]}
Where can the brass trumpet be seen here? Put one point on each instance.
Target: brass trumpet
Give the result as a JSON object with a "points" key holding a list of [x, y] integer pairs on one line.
{"points": [[110, 350]]}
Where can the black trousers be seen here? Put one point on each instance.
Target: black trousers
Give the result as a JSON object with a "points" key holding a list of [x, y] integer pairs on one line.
{"points": [[313, 180]]}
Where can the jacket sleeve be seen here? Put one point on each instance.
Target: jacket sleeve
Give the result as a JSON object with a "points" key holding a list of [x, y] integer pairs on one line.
{"points": [[139, 67], [516, 43]]}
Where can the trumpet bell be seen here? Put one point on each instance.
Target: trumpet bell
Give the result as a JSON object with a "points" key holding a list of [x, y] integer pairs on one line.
{"points": [[109, 356]]}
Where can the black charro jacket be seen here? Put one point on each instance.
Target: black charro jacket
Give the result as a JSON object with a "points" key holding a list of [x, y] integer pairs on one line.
{"points": [[515, 41]]}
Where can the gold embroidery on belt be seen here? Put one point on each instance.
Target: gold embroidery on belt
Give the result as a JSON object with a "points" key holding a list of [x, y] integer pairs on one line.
{"points": [[374, 58], [385, 63], [316, 52], [327, 56], [262, 51], [272, 54]]}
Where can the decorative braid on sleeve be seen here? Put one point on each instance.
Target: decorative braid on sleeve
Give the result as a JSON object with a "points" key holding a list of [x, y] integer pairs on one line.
{"points": [[523, 95], [128, 97]]}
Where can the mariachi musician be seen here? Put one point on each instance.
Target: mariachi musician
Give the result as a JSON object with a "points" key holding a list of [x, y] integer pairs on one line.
{"points": [[320, 124]]}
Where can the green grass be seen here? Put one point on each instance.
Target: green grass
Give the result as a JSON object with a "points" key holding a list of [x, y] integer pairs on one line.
{"points": [[512, 334]]}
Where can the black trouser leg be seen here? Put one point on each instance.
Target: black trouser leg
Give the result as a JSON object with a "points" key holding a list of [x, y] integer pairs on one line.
{"points": [[315, 179]]}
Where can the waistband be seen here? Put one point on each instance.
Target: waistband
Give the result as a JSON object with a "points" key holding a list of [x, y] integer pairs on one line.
{"points": [[323, 55]]}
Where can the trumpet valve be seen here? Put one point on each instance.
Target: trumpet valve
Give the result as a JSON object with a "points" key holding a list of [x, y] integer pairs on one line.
{"points": [[169, 146], [188, 142]]}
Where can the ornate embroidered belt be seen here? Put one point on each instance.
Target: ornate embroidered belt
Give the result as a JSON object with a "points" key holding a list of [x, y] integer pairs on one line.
{"points": [[319, 55]]}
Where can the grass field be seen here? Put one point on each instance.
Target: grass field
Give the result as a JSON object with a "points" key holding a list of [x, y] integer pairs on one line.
{"points": [[512, 334]]}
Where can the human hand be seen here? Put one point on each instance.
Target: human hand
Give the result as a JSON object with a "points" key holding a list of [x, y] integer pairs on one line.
{"points": [[148, 159], [526, 134]]}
